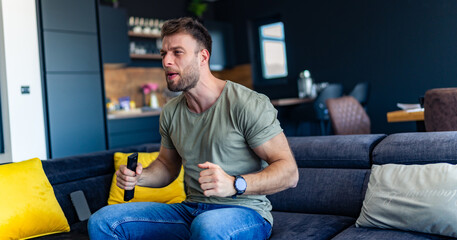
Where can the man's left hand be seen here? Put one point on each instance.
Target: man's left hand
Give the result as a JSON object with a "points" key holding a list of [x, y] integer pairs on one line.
{"points": [[215, 182]]}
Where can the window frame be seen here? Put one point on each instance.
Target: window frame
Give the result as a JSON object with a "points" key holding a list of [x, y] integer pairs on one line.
{"points": [[260, 83], [272, 39]]}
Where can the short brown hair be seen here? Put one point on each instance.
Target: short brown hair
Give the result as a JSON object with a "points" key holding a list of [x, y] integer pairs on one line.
{"points": [[190, 26]]}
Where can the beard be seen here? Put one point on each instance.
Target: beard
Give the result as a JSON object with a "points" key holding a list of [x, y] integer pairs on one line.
{"points": [[188, 79]]}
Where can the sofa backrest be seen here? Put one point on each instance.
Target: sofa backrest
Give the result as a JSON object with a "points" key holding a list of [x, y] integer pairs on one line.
{"points": [[417, 148], [92, 173], [334, 172], [337, 151]]}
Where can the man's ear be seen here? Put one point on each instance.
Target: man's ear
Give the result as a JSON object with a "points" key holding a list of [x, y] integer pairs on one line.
{"points": [[205, 57]]}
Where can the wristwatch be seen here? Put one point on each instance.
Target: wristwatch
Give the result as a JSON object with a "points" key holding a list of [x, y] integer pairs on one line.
{"points": [[240, 185]]}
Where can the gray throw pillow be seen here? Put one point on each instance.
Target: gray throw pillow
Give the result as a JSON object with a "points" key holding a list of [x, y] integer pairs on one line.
{"points": [[420, 198]]}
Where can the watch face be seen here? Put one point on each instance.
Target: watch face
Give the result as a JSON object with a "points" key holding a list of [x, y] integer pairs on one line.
{"points": [[240, 184]]}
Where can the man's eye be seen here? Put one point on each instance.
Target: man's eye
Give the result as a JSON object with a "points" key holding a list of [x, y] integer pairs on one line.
{"points": [[178, 52]]}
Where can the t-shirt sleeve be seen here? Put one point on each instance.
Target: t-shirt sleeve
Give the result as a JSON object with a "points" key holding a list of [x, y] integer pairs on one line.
{"points": [[259, 120], [164, 123]]}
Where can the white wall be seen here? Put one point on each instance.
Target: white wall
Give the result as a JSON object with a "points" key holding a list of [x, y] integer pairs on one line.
{"points": [[23, 119]]}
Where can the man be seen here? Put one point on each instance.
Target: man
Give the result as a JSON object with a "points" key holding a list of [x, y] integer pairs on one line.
{"points": [[219, 131]]}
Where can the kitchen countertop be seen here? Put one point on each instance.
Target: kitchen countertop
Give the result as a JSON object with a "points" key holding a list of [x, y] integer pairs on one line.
{"points": [[136, 113], [290, 101]]}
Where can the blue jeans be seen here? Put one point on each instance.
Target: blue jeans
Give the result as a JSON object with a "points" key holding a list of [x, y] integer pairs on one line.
{"points": [[148, 220]]}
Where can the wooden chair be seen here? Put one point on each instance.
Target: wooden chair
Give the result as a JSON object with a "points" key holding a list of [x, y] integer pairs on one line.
{"points": [[348, 116]]}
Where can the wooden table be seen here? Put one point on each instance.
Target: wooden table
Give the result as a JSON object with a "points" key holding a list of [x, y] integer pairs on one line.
{"points": [[290, 101], [405, 116]]}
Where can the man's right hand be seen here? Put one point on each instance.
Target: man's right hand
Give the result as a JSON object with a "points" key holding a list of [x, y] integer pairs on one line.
{"points": [[126, 178]]}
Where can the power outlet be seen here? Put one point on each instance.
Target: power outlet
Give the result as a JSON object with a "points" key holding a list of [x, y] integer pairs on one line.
{"points": [[25, 89]]}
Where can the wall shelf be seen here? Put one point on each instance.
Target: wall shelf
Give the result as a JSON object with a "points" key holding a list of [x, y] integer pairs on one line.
{"points": [[148, 37], [143, 35], [146, 56]]}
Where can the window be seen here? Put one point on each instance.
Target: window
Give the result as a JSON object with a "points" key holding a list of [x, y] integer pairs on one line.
{"points": [[273, 50]]}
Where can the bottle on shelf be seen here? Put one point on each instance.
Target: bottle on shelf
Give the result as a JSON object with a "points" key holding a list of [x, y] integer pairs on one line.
{"points": [[305, 85], [154, 103], [131, 23], [137, 28], [152, 90], [160, 25], [155, 29], [147, 27]]}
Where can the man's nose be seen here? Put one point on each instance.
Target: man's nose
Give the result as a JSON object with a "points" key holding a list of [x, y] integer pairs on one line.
{"points": [[167, 60]]}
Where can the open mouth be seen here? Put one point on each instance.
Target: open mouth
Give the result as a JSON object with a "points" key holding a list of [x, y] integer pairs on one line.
{"points": [[171, 75]]}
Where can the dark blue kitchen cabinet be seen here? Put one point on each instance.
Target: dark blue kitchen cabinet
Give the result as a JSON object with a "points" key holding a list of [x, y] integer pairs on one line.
{"points": [[69, 15], [72, 76], [113, 35], [71, 52], [132, 131], [76, 123]]}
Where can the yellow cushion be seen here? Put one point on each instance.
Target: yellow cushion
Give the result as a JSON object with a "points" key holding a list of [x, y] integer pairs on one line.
{"points": [[28, 206], [173, 193]]}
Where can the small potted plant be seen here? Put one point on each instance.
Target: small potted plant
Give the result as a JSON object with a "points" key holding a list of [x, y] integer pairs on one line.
{"points": [[197, 7], [114, 3]]}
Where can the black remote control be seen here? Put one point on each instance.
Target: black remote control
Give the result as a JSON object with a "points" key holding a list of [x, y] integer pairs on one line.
{"points": [[132, 162]]}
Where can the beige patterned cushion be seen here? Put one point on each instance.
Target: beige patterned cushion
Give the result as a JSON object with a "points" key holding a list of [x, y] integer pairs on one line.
{"points": [[421, 198]]}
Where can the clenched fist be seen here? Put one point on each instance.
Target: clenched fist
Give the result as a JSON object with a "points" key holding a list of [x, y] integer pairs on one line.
{"points": [[126, 178], [215, 182]]}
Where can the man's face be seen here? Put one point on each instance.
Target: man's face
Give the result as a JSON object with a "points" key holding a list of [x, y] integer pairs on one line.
{"points": [[180, 60]]}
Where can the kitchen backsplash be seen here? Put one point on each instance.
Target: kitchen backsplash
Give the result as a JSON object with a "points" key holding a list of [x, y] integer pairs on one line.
{"points": [[127, 81]]}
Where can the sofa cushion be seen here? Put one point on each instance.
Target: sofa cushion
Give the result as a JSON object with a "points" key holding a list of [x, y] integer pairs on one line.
{"points": [[289, 226], [28, 206], [419, 198], [353, 233], [324, 191], [172, 193], [417, 148], [78, 232], [96, 191], [152, 147], [338, 151], [73, 168], [65, 236], [91, 173]]}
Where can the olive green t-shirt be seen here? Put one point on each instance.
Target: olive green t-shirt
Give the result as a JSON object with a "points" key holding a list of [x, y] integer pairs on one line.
{"points": [[239, 120]]}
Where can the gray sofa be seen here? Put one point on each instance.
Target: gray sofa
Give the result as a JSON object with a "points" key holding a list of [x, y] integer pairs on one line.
{"points": [[334, 173]]}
